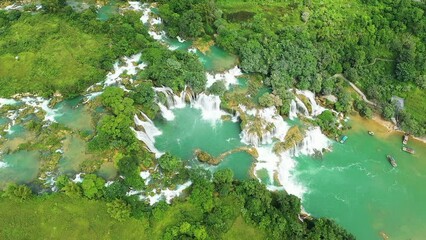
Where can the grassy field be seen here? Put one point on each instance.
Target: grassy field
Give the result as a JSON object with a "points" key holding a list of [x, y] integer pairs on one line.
{"points": [[415, 104], [39, 53], [61, 217], [242, 230]]}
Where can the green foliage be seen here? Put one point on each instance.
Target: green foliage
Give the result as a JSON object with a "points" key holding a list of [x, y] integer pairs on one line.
{"points": [[63, 51], [217, 88], [143, 94], [174, 69], [269, 100], [189, 19], [114, 130], [378, 45], [170, 163], [52, 6], [18, 192], [327, 122], [57, 216], [93, 186], [72, 190], [119, 210]]}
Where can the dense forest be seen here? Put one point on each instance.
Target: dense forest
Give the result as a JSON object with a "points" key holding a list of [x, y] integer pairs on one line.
{"points": [[378, 45], [60, 50]]}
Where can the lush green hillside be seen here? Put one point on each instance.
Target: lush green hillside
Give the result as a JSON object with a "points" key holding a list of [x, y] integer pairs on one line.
{"points": [[378, 45], [67, 52]]}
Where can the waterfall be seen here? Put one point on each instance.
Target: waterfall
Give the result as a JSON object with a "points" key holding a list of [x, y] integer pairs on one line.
{"points": [[4, 101], [166, 113], [173, 101], [229, 77], [301, 108], [128, 67], [314, 141], [316, 108], [166, 194], [293, 110], [209, 106], [262, 126], [3, 165], [148, 135], [42, 104], [280, 167]]}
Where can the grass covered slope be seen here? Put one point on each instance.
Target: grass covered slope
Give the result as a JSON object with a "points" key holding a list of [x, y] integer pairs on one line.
{"points": [[40, 53], [67, 51], [61, 217]]}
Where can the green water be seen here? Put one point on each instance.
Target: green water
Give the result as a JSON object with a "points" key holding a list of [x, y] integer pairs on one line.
{"points": [[22, 167], [356, 185], [105, 12], [183, 139], [216, 59], [74, 115], [16, 131], [74, 155], [3, 121]]}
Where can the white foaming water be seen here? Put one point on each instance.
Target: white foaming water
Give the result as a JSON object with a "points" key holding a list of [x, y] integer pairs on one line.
{"points": [[209, 106], [165, 194], [135, 6], [148, 135], [316, 108], [292, 114], [267, 120], [301, 108], [4, 101], [92, 96], [229, 77], [3, 165], [129, 67], [78, 178], [43, 104], [192, 50], [166, 113], [173, 101], [314, 141], [181, 40]]}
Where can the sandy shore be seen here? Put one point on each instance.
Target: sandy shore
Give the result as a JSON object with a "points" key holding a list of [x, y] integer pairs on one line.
{"points": [[393, 128]]}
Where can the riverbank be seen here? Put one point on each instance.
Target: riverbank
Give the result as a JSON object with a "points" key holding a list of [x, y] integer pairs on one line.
{"points": [[391, 127]]}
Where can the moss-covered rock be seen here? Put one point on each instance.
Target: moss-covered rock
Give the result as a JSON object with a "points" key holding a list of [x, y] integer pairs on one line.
{"points": [[293, 137]]}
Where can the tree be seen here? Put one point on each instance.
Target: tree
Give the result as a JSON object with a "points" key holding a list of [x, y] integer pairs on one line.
{"points": [[17, 192], [269, 100], [143, 94], [93, 186], [169, 162], [217, 88], [52, 6], [119, 210]]}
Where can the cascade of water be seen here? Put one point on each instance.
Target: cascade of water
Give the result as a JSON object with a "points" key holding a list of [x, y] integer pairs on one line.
{"points": [[128, 67], [316, 108], [173, 101], [166, 113], [4, 101], [263, 126], [209, 106], [3, 165], [301, 108], [148, 135], [229, 77], [314, 141], [292, 114], [43, 104]]}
